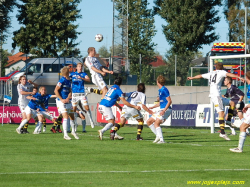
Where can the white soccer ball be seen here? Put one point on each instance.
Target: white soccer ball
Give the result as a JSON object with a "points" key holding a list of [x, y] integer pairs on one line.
{"points": [[98, 37]]}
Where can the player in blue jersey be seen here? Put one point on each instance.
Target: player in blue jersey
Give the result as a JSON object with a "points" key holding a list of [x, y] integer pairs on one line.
{"points": [[78, 92], [108, 101], [63, 93], [164, 112], [43, 108], [134, 98], [246, 122], [31, 111]]}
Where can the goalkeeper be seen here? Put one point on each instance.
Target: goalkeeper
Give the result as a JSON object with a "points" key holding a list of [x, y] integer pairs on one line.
{"points": [[236, 101]]}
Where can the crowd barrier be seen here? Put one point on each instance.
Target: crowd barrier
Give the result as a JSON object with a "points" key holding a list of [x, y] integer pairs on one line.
{"points": [[187, 115]]}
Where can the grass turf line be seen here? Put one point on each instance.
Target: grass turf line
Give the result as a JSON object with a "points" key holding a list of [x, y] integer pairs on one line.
{"points": [[192, 155]]}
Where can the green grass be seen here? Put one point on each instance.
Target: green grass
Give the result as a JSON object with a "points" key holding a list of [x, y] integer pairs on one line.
{"points": [[190, 155]]}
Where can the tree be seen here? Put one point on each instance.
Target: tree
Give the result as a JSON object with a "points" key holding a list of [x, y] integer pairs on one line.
{"points": [[5, 55], [6, 6], [235, 14], [227, 5], [48, 27], [189, 23], [103, 52], [183, 63], [141, 30], [189, 26]]}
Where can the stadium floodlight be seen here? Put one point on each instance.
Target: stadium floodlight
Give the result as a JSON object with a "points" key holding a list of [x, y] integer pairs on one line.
{"points": [[211, 69]]}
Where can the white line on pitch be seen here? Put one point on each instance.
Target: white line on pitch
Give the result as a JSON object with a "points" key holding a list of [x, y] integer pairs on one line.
{"points": [[146, 171]]}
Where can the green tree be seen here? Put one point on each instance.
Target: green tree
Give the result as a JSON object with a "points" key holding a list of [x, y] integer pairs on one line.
{"points": [[6, 6], [141, 30], [103, 52], [189, 26], [48, 29], [5, 55], [229, 4], [235, 15], [190, 23], [183, 63]]}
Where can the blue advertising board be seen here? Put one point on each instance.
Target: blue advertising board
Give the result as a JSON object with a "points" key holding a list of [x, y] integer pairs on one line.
{"points": [[183, 115]]}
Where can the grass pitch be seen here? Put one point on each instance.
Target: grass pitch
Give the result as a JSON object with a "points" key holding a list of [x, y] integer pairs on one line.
{"points": [[191, 157]]}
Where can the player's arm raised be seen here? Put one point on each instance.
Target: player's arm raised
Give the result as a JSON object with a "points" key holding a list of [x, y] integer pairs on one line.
{"points": [[106, 71], [235, 76], [195, 77], [34, 84]]}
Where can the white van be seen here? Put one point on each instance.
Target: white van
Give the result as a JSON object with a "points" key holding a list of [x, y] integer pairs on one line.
{"points": [[45, 71]]}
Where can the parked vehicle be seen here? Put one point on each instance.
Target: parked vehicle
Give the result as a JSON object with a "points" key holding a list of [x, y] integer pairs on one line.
{"points": [[44, 71]]}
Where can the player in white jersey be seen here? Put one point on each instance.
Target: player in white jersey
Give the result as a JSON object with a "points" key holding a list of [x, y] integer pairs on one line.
{"points": [[246, 122], [215, 80], [24, 89], [97, 71], [134, 98]]}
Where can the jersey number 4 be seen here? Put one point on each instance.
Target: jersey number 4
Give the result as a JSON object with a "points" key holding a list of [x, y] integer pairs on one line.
{"points": [[213, 79]]}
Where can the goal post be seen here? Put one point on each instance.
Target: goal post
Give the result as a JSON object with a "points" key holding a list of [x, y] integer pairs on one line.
{"points": [[211, 64]]}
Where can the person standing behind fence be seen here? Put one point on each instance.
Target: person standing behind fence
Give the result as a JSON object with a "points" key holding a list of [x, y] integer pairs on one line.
{"points": [[78, 92], [160, 116], [215, 80], [23, 89], [97, 71]]}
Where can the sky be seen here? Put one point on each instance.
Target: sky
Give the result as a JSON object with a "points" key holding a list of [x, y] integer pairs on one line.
{"points": [[97, 18]]}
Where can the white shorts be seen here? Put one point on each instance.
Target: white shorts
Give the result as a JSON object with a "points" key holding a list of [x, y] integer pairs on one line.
{"points": [[164, 117], [28, 111], [22, 106], [98, 81], [64, 107], [220, 103], [79, 97], [46, 115], [127, 112], [106, 112]]}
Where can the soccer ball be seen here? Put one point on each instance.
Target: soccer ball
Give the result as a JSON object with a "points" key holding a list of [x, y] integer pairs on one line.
{"points": [[98, 37]]}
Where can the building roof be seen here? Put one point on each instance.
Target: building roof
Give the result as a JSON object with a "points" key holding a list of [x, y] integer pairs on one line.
{"points": [[158, 62], [16, 58]]}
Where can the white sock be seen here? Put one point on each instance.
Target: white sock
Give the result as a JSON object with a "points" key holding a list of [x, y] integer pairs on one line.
{"points": [[83, 125], [159, 133], [152, 127], [247, 131], [90, 116], [38, 125], [64, 125], [22, 123], [113, 128], [75, 117], [232, 130], [73, 126], [107, 127], [68, 124], [242, 139]]}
